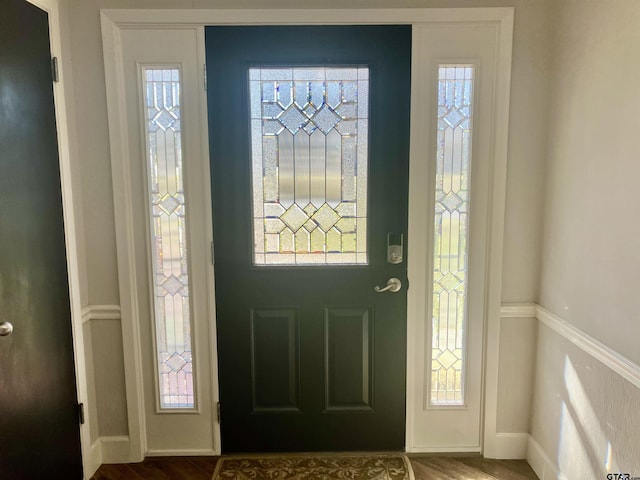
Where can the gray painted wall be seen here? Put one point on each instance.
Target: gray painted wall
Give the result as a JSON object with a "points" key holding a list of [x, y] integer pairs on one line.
{"points": [[516, 373], [527, 150], [574, 102], [585, 416], [591, 260]]}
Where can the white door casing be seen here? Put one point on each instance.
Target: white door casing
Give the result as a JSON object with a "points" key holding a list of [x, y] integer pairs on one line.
{"points": [[480, 36]]}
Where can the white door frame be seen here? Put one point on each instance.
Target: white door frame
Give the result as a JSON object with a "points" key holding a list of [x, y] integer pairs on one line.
{"points": [[113, 21]]}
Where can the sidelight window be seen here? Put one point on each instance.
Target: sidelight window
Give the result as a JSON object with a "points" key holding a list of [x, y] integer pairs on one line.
{"points": [[309, 134], [166, 196], [451, 226]]}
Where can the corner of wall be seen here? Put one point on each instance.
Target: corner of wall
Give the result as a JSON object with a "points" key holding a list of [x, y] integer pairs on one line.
{"points": [[584, 419], [115, 449], [511, 446], [540, 462]]}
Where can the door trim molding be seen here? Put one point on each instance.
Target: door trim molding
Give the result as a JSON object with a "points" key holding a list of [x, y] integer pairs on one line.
{"points": [[497, 133], [125, 244], [95, 459], [496, 232], [128, 18], [113, 21]]}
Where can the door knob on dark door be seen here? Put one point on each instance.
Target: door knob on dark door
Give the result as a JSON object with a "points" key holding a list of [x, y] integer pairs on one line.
{"points": [[393, 285], [5, 329]]}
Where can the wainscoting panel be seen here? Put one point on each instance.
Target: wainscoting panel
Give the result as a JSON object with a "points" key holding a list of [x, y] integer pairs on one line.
{"points": [[349, 339], [612, 359]]}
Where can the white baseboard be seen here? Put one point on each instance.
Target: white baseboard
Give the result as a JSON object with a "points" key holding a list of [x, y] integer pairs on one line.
{"points": [[542, 465], [116, 449], [511, 446], [182, 453], [422, 449]]}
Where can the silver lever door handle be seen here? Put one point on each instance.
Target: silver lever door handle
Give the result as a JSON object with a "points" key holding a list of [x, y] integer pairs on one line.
{"points": [[5, 329], [393, 285]]}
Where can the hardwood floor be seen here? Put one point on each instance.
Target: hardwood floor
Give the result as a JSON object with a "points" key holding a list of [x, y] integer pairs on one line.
{"points": [[160, 468], [424, 468], [469, 468]]}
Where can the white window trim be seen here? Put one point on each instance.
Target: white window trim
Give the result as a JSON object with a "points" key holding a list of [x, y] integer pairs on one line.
{"points": [[113, 21]]}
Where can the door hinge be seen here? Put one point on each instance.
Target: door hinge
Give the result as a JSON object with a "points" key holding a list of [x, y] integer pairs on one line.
{"points": [[81, 413], [204, 74], [54, 69], [218, 412]]}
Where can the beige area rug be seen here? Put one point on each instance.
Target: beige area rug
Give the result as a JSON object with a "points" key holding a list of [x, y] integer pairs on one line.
{"points": [[314, 467]]}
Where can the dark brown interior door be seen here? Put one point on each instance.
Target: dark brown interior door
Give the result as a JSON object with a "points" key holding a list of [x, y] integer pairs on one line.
{"points": [[39, 428], [309, 138]]}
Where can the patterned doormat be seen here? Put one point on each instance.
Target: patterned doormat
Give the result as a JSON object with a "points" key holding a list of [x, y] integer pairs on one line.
{"points": [[314, 467]]}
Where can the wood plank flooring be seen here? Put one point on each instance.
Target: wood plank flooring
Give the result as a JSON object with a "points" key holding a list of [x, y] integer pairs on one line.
{"points": [[469, 468], [424, 467]]}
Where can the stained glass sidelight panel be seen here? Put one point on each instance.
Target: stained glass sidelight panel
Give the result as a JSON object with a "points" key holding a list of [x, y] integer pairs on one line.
{"points": [[309, 135], [455, 89], [168, 233]]}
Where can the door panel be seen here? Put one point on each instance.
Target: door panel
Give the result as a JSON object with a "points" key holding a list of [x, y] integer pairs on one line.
{"points": [[39, 428], [310, 357], [348, 359], [275, 359]]}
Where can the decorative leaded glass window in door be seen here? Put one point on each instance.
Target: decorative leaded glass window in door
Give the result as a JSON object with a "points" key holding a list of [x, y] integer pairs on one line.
{"points": [[451, 237], [309, 134], [163, 132]]}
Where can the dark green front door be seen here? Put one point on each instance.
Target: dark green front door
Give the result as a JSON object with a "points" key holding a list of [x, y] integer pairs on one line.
{"points": [[309, 139]]}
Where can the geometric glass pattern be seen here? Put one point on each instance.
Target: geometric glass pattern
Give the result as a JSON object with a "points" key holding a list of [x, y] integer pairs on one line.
{"points": [[168, 232], [455, 89], [309, 135]]}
